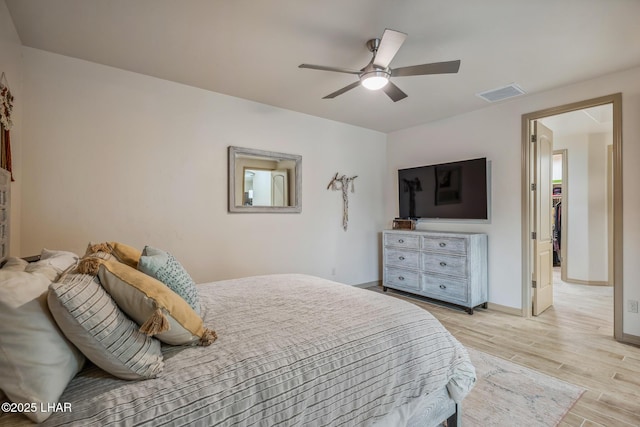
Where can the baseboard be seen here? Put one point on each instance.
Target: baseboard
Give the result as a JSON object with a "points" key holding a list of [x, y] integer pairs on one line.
{"points": [[504, 309], [586, 282], [631, 339], [369, 284], [491, 306]]}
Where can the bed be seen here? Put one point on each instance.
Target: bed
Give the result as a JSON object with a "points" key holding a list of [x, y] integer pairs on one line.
{"points": [[291, 350]]}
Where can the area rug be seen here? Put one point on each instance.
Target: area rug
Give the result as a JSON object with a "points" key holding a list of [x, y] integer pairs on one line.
{"points": [[508, 394]]}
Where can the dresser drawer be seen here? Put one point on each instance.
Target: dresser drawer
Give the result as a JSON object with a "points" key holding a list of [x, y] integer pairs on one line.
{"points": [[408, 241], [454, 245], [402, 258], [396, 277], [445, 288], [446, 266], [453, 265]]}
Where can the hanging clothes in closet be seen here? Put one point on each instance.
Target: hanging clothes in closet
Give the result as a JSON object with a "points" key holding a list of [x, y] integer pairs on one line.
{"points": [[557, 232]]}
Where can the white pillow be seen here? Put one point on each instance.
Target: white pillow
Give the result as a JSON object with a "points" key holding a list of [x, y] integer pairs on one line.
{"points": [[61, 260], [36, 360], [15, 264], [42, 268]]}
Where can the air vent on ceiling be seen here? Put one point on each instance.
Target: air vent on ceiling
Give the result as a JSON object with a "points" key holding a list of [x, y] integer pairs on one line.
{"points": [[501, 93]]}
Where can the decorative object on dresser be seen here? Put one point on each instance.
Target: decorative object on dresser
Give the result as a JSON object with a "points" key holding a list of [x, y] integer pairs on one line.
{"points": [[404, 224], [446, 266]]}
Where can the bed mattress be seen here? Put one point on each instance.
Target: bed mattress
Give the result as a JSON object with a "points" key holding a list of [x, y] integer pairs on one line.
{"points": [[292, 350]]}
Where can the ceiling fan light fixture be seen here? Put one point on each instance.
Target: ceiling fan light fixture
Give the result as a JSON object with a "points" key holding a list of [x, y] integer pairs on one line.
{"points": [[377, 73], [374, 80]]}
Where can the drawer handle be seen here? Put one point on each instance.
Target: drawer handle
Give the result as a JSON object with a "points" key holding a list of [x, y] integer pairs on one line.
{"points": [[401, 241], [400, 278], [443, 264], [443, 244], [401, 258], [443, 287]]}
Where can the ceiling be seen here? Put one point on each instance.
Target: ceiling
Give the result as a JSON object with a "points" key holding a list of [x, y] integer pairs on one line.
{"points": [[589, 120], [252, 48]]}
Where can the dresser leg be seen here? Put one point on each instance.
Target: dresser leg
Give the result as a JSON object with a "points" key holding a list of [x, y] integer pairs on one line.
{"points": [[469, 310], [384, 289]]}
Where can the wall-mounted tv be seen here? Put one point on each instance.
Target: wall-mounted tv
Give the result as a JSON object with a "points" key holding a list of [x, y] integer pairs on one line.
{"points": [[456, 190]]}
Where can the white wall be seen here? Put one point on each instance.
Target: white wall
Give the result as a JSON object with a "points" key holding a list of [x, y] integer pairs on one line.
{"points": [[495, 132], [11, 65], [114, 155], [586, 205], [597, 181], [557, 167], [465, 137]]}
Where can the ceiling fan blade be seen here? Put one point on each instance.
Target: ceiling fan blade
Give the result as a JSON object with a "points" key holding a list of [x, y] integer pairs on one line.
{"points": [[394, 92], [324, 68], [434, 68], [389, 46], [343, 90]]}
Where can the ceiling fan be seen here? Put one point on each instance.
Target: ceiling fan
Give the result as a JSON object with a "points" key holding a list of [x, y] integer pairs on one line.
{"points": [[377, 73]]}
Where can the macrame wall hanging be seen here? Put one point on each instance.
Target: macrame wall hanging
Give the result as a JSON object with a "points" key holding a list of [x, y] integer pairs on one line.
{"points": [[342, 183], [6, 107]]}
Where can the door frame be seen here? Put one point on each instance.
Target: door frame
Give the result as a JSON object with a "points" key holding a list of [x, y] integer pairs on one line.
{"points": [[527, 251]]}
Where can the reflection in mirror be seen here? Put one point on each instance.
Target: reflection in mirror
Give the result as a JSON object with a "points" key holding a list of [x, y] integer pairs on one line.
{"points": [[264, 181], [265, 187]]}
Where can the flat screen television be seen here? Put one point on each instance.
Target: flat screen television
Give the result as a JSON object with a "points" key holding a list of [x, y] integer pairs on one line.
{"points": [[456, 190]]}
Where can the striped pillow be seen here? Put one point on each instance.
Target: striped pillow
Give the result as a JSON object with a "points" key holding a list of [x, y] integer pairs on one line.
{"points": [[91, 320]]}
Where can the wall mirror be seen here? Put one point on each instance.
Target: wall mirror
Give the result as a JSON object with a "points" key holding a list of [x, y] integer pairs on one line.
{"points": [[264, 181]]}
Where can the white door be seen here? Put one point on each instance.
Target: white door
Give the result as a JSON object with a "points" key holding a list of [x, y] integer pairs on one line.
{"points": [[279, 185], [542, 150]]}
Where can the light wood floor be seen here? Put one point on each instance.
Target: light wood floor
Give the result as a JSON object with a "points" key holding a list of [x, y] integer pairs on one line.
{"points": [[572, 341]]}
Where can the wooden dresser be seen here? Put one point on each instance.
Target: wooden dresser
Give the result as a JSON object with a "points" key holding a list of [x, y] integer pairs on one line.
{"points": [[446, 266]]}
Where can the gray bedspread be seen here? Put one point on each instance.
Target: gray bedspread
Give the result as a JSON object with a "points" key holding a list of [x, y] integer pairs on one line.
{"points": [[292, 350]]}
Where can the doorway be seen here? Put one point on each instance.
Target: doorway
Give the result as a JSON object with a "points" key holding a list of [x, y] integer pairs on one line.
{"points": [[531, 205], [559, 195]]}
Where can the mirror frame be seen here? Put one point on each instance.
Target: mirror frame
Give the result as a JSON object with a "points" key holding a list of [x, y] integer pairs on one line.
{"points": [[270, 155]]}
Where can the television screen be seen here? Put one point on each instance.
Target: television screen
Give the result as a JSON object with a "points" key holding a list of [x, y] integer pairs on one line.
{"points": [[456, 190]]}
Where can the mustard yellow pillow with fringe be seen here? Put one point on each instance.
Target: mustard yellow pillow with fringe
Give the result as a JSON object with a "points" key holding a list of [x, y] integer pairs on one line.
{"points": [[158, 310], [124, 253]]}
